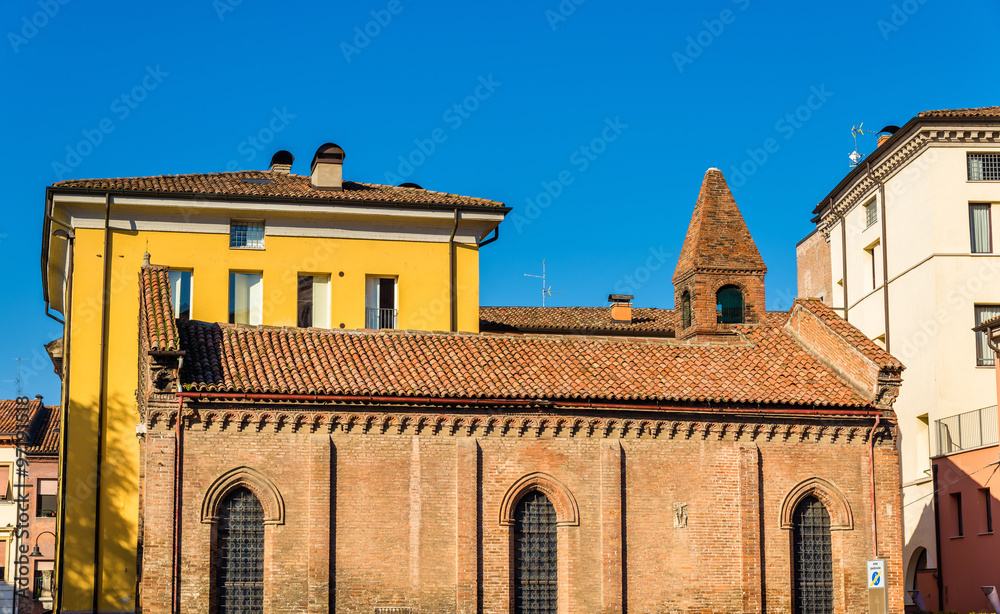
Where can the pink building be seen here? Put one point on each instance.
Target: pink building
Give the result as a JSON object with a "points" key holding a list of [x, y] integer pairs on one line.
{"points": [[967, 504]]}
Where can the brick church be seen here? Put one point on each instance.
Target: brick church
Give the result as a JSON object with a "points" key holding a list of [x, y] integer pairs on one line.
{"points": [[571, 461], [712, 458]]}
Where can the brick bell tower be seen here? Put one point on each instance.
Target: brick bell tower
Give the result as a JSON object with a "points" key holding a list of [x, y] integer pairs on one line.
{"points": [[719, 280]]}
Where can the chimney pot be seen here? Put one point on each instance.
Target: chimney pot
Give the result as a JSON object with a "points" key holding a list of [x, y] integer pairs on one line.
{"points": [[281, 162], [327, 168], [882, 139], [621, 308]]}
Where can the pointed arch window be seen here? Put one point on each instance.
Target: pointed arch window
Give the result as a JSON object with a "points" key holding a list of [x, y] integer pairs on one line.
{"points": [[813, 551], [239, 558], [536, 560], [729, 305], [686, 310]]}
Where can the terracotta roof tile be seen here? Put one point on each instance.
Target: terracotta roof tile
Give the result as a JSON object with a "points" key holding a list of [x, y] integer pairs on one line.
{"points": [[590, 320], [717, 237], [276, 185], [866, 346], [769, 368], [47, 438], [973, 112], [9, 415], [156, 308]]}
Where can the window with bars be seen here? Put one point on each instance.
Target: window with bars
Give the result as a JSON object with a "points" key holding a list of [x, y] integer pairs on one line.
{"points": [[240, 556], [980, 228], [871, 214], [246, 234], [984, 354], [813, 565], [536, 561], [984, 167]]}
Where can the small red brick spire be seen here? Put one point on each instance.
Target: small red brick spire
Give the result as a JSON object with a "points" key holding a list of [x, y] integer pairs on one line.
{"points": [[718, 252]]}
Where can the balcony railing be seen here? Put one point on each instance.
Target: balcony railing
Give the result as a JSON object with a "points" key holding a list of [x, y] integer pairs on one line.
{"points": [[972, 429], [380, 318]]}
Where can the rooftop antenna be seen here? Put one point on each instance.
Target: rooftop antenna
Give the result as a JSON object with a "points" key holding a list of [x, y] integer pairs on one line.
{"points": [[546, 290], [17, 381], [854, 156]]}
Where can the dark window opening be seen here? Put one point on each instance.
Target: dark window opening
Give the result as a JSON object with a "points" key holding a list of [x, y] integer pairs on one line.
{"points": [[686, 310], [536, 561], [987, 509], [305, 301], [729, 305], [813, 565], [956, 505], [240, 556]]}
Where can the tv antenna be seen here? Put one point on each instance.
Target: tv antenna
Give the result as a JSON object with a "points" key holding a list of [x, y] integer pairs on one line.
{"points": [[17, 380], [854, 156], [546, 290]]}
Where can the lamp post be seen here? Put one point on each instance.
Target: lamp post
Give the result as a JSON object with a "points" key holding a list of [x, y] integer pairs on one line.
{"points": [[45, 593], [36, 552]]}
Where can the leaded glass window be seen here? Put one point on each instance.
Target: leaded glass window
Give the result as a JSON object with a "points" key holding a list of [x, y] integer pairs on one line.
{"points": [[535, 588], [813, 558], [240, 556], [729, 305]]}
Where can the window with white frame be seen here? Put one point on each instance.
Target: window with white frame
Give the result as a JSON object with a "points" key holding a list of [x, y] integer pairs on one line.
{"points": [[984, 167], [381, 302], [980, 228], [246, 298], [984, 354], [46, 500], [871, 214], [314, 301], [180, 293], [6, 483], [246, 234]]}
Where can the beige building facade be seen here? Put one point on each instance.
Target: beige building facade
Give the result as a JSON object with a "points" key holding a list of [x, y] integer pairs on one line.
{"points": [[904, 250]]}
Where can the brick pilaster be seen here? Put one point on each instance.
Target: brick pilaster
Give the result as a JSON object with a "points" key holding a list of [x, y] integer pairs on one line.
{"points": [[467, 569], [612, 544], [750, 529], [320, 504]]}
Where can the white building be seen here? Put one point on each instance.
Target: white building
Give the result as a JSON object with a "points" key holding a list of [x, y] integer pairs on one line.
{"points": [[919, 270]]}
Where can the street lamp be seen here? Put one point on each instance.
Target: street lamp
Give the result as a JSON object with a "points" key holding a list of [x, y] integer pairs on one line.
{"points": [[36, 552]]}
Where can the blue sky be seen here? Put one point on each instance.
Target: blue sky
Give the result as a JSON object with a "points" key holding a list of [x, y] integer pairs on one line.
{"points": [[595, 121]]}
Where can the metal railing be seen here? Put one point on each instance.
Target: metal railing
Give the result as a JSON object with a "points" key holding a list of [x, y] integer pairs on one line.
{"points": [[968, 430], [380, 318]]}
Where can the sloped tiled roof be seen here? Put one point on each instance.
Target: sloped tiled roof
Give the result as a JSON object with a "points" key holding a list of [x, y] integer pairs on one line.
{"points": [[277, 185], [9, 414], [973, 112], [154, 294], [47, 438], [770, 368], [855, 337], [717, 237], [591, 320], [646, 321]]}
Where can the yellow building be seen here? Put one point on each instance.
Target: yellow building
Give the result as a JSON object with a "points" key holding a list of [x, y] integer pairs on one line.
{"points": [[255, 247]]}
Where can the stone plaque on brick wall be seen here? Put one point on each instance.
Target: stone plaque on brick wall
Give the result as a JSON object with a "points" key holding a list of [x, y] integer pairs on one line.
{"points": [[680, 515], [393, 610]]}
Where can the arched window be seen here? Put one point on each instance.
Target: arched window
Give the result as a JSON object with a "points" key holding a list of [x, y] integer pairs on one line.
{"points": [[239, 560], [535, 550], [813, 565], [686, 310], [729, 305]]}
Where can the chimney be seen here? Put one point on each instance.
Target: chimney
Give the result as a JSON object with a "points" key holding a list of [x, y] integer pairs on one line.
{"points": [[621, 308], [882, 138], [327, 168], [281, 162]]}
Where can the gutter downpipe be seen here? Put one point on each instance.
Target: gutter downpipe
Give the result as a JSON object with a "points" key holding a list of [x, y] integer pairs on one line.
{"points": [[843, 253], [178, 467], [939, 576], [64, 417], [452, 274], [871, 463], [885, 255], [102, 398]]}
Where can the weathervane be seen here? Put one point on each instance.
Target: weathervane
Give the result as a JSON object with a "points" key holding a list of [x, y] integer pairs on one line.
{"points": [[546, 290]]}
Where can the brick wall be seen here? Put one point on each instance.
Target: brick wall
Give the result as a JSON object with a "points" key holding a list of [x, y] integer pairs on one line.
{"points": [[833, 350], [704, 287], [408, 512], [814, 272]]}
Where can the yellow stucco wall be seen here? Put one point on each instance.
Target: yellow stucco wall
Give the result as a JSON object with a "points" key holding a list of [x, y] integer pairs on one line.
{"points": [[423, 297]]}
